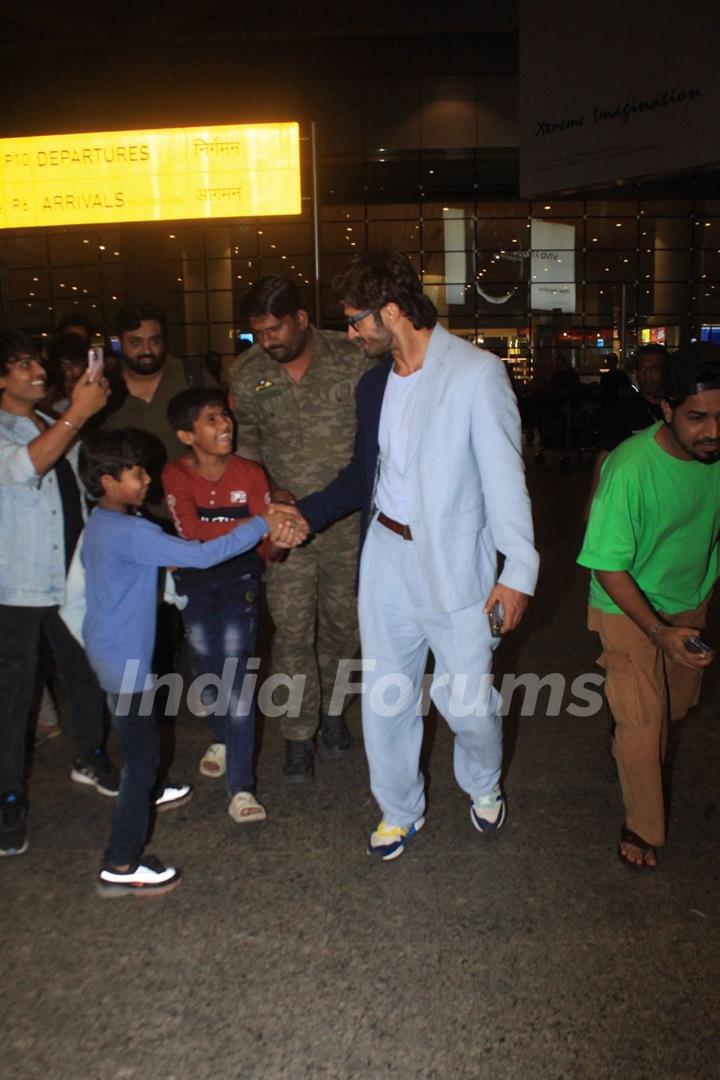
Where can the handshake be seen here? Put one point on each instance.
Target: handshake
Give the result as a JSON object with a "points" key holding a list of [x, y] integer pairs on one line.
{"points": [[288, 528]]}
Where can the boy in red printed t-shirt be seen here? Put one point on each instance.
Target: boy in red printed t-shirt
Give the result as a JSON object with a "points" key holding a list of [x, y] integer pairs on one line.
{"points": [[208, 491]]}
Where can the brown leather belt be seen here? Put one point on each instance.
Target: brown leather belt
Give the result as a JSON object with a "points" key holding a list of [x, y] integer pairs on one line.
{"points": [[395, 526]]}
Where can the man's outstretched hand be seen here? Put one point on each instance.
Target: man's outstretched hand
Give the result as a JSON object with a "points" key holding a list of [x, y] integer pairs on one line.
{"points": [[288, 527], [513, 603]]}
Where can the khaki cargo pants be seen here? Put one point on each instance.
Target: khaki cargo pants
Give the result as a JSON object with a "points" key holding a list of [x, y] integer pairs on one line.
{"points": [[644, 689], [313, 605]]}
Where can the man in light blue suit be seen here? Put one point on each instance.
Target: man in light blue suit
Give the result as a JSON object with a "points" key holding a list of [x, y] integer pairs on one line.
{"points": [[438, 474]]}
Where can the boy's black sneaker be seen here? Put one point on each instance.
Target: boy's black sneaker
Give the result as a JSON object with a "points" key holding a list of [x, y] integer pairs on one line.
{"points": [[13, 823], [147, 877], [298, 767], [97, 770]]}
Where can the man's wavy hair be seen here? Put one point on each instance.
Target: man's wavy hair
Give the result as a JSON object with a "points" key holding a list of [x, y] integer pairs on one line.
{"points": [[386, 277]]}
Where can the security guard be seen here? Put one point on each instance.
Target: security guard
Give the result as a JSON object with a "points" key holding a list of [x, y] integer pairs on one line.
{"points": [[294, 399]]}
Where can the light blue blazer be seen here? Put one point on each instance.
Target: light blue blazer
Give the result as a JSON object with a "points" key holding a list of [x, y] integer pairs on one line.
{"points": [[466, 493]]}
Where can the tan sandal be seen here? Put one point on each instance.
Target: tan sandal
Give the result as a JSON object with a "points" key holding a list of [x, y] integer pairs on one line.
{"points": [[214, 760], [245, 809]]}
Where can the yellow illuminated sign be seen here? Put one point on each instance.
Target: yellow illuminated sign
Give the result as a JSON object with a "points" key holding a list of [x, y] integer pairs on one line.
{"points": [[247, 170]]}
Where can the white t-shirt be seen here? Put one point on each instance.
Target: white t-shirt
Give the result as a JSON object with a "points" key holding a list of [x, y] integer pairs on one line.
{"points": [[395, 419]]}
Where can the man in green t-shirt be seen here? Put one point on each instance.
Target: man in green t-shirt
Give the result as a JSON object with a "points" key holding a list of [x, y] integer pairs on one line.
{"points": [[652, 544]]}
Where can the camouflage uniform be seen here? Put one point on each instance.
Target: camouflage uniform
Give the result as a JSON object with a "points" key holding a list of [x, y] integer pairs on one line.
{"points": [[303, 434]]}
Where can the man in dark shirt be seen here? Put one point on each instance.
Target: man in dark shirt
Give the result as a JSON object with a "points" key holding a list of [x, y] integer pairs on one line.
{"points": [[613, 382], [633, 411], [150, 377]]}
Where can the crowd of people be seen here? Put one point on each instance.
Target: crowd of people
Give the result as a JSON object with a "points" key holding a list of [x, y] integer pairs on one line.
{"points": [[372, 480]]}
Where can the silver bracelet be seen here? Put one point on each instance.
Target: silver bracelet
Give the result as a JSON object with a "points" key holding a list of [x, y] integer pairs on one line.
{"points": [[69, 423]]}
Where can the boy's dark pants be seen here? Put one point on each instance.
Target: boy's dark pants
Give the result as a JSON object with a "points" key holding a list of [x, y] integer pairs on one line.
{"points": [[19, 643], [221, 620], [139, 739]]}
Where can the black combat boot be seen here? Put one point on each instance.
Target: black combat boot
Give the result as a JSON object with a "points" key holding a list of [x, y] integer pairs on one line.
{"points": [[298, 767], [335, 741]]}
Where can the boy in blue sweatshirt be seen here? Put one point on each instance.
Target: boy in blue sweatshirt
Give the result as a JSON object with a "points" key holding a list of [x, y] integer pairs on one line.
{"points": [[121, 554]]}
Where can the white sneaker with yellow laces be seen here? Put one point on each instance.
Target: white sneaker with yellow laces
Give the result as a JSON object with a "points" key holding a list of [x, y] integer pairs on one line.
{"points": [[389, 841]]}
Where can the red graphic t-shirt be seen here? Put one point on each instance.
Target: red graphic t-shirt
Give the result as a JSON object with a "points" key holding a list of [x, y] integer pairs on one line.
{"points": [[204, 509]]}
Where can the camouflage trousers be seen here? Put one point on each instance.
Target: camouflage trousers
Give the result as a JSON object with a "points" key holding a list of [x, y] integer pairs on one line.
{"points": [[311, 599]]}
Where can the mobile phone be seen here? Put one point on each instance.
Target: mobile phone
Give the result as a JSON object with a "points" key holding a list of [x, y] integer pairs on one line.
{"points": [[496, 615], [697, 645], [95, 361]]}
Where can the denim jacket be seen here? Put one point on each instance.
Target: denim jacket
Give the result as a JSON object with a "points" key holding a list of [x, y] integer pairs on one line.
{"points": [[32, 540]]}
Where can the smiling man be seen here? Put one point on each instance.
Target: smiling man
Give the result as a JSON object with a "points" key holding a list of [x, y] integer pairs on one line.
{"points": [[150, 378], [652, 544], [294, 400], [438, 475], [41, 520]]}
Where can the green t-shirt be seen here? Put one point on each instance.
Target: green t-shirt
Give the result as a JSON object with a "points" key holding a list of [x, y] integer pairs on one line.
{"points": [[658, 518]]}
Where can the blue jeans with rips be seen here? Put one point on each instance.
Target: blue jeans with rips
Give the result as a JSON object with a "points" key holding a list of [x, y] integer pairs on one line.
{"points": [[221, 621]]}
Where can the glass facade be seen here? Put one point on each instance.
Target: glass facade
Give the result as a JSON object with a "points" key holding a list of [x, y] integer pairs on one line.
{"points": [[582, 276]]}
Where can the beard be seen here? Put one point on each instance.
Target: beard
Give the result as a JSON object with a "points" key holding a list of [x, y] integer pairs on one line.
{"points": [[147, 364], [376, 342], [376, 345], [706, 451], [285, 354], [706, 455]]}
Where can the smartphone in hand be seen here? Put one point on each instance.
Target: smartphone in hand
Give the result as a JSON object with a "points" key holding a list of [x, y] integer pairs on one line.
{"points": [[95, 362], [699, 647], [496, 615]]}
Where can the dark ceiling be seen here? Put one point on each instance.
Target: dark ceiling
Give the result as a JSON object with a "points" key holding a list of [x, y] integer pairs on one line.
{"points": [[128, 24], [64, 67]]}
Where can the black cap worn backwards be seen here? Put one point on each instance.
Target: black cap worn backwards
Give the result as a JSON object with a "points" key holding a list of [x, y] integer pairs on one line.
{"points": [[690, 371]]}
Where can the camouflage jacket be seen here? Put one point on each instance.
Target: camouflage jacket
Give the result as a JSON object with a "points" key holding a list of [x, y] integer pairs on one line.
{"points": [[303, 433]]}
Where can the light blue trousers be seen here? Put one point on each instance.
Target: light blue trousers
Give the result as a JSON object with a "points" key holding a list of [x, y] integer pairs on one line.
{"points": [[396, 634]]}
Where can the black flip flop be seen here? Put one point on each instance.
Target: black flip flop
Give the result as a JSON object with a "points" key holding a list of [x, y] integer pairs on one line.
{"points": [[627, 836]]}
